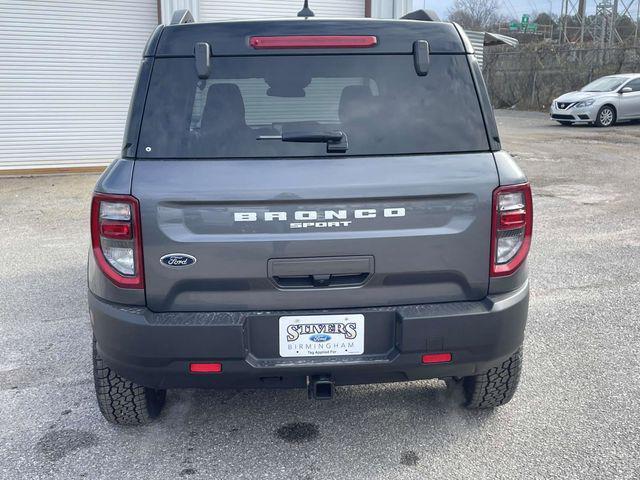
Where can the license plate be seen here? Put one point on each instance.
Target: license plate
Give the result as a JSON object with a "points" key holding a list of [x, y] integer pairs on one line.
{"points": [[321, 335]]}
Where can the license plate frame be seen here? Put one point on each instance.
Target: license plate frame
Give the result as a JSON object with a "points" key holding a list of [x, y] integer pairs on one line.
{"points": [[307, 336]]}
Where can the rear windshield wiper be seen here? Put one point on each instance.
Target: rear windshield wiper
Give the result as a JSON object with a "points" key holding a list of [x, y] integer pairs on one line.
{"points": [[336, 141]]}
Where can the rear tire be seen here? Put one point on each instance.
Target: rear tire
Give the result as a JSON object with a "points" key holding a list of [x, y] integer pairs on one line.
{"points": [[121, 401], [495, 387], [606, 117], [565, 124]]}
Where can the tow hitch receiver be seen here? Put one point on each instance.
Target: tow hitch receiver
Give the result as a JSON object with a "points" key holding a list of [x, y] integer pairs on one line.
{"points": [[320, 387]]}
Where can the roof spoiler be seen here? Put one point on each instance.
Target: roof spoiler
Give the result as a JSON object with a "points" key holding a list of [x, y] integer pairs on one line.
{"points": [[422, 14], [181, 16], [306, 11]]}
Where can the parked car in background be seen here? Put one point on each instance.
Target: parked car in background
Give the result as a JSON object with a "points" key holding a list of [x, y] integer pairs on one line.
{"points": [[602, 103]]}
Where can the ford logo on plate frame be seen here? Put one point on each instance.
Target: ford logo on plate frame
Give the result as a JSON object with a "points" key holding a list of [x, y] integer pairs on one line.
{"points": [[177, 260], [320, 337]]}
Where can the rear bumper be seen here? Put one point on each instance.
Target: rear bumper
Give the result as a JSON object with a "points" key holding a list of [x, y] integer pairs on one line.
{"points": [[155, 349]]}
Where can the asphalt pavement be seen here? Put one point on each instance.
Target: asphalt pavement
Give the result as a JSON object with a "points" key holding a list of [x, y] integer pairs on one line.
{"points": [[575, 416]]}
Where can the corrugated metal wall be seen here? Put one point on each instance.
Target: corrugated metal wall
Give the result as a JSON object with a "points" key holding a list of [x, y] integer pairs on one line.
{"points": [[391, 8], [477, 39], [67, 70], [224, 9]]}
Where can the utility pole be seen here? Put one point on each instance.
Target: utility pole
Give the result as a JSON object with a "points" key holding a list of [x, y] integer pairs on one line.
{"points": [[573, 9], [611, 16], [582, 14], [635, 38]]}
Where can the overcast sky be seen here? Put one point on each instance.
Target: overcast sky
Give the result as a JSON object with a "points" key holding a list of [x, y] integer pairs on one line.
{"points": [[512, 8]]}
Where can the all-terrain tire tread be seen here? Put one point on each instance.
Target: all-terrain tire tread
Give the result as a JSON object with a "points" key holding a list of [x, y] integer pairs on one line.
{"points": [[121, 401], [495, 387]]}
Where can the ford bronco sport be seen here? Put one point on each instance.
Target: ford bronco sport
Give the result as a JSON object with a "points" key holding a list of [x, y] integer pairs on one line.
{"points": [[308, 203]]}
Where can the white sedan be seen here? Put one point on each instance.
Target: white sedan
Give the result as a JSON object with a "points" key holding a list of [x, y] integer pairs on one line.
{"points": [[611, 99]]}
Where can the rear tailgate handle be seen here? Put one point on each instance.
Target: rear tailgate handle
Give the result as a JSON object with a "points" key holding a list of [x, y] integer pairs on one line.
{"points": [[320, 272]]}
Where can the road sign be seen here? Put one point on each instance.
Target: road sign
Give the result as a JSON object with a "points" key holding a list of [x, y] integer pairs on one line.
{"points": [[524, 26]]}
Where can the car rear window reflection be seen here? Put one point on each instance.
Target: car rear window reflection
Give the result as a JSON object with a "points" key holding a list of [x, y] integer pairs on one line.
{"points": [[378, 101]]}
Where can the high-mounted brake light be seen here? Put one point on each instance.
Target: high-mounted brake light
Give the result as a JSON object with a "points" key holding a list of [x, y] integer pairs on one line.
{"points": [[511, 228], [116, 239], [314, 41]]}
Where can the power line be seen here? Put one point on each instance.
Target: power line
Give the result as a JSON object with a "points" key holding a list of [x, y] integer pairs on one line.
{"points": [[513, 10]]}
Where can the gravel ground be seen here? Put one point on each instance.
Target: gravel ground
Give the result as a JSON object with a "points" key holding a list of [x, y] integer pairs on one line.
{"points": [[574, 417]]}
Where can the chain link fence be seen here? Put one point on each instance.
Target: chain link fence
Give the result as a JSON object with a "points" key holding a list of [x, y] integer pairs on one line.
{"points": [[530, 77]]}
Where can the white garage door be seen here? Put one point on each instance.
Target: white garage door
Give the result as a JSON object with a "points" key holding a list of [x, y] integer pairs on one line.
{"points": [[221, 9], [67, 69]]}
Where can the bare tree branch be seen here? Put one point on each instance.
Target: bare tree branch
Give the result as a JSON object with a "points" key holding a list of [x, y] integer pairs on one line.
{"points": [[475, 14]]}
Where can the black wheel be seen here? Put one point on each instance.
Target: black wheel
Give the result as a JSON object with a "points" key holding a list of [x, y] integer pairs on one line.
{"points": [[495, 387], [121, 401], [565, 124], [606, 117]]}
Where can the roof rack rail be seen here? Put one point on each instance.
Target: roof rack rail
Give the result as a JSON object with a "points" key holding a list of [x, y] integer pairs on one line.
{"points": [[181, 16], [422, 14]]}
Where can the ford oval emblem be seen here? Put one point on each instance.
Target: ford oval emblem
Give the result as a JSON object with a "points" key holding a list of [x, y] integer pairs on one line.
{"points": [[320, 337], [178, 260]]}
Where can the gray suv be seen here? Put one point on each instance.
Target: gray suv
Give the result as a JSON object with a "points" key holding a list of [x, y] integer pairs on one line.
{"points": [[308, 203]]}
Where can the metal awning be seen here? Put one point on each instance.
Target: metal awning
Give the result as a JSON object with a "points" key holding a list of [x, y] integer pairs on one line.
{"points": [[481, 39], [497, 39]]}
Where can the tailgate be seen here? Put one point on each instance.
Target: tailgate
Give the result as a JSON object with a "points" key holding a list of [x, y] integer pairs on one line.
{"points": [[315, 233]]}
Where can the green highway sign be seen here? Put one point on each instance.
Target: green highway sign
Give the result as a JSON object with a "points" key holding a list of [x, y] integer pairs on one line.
{"points": [[524, 26]]}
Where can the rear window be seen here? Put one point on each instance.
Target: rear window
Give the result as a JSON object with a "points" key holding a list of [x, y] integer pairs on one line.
{"points": [[378, 101]]}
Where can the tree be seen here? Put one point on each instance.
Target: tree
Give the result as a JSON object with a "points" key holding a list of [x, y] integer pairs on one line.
{"points": [[475, 14], [626, 27], [544, 19]]}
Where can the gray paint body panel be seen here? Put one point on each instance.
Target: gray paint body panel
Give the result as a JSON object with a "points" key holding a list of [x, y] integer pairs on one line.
{"points": [[103, 288], [116, 178], [437, 251], [508, 170]]}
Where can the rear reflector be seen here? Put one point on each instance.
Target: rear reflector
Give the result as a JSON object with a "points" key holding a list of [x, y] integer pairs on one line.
{"points": [[205, 367], [116, 230], [314, 41], [514, 219], [436, 358]]}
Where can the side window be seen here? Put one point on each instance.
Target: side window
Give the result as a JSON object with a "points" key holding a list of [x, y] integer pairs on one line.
{"points": [[635, 84]]}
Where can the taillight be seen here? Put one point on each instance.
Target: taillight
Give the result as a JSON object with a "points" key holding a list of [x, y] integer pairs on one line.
{"points": [[314, 41], [511, 227], [116, 239]]}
